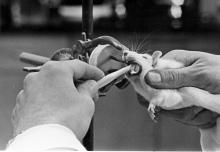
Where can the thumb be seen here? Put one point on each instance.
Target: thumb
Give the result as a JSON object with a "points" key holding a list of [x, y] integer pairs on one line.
{"points": [[89, 88], [169, 78]]}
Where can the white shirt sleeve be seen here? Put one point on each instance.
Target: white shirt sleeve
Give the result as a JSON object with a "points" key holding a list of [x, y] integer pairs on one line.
{"points": [[46, 137], [210, 138]]}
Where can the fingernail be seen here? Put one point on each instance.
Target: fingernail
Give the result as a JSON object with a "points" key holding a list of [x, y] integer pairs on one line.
{"points": [[153, 77]]}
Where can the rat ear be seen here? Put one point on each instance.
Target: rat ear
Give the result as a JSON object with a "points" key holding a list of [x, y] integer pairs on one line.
{"points": [[155, 56]]}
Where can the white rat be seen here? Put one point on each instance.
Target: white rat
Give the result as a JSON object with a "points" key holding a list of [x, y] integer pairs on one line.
{"points": [[167, 98]]}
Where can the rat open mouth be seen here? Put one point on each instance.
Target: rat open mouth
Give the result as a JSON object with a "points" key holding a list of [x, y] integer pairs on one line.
{"points": [[135, 68]]}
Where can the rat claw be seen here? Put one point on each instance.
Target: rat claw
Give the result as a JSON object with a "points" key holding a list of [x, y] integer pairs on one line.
{"points": [[151, 112], [151, 107]]}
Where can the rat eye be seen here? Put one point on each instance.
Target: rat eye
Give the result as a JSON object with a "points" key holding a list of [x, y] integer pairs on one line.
{"points": [[125, 53], [145, 57]]}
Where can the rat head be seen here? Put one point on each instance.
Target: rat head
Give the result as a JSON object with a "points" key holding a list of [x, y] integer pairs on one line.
{"points": [[144, 60]]}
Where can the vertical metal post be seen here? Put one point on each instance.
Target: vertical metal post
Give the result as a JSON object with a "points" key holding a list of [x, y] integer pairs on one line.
{"points": [[87, 17], [87, 27]]}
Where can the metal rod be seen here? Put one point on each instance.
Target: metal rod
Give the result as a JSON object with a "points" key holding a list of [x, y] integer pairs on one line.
{"points": [[87, 18], [87, 27], [33, 59], [112, 76], [117, 59]]}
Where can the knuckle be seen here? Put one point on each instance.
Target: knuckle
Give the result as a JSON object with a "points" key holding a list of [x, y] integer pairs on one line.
{"points": [[78, 63], [174, 54], [202, 80], [19, 95], [168, 76], [171, 78], [13, 114], [14, 118], [53, 67], [50, 65], [89, 85], [177, 78], [176, 51], [28, 78]]}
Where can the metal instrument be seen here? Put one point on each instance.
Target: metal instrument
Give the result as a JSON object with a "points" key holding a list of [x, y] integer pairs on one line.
{"points": [[81, 50]]}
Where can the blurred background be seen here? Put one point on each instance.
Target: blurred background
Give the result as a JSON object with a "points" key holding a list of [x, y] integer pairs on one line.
{"points": [[42, 26]]}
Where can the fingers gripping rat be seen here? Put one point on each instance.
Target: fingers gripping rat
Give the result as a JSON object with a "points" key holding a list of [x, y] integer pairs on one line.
{"points": [[154, 96], [164, 98], [168, 99]]}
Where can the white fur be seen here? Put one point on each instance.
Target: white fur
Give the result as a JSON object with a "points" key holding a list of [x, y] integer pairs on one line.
{"points": [[170, 98]]}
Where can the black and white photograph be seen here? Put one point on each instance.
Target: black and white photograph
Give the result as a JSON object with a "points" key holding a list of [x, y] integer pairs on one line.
{"points": [[109, 75]]}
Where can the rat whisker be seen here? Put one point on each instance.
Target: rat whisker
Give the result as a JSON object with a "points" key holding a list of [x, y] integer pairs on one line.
{"points": [[138, 45], [132, 46], [143, 42], [137, 42]]}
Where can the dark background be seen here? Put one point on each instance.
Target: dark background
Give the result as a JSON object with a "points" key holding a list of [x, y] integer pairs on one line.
{"points": [[121, 123]]}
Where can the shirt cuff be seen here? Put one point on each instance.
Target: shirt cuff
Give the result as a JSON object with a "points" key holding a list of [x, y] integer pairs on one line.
{"points": [[45, 137], [210, 138]]}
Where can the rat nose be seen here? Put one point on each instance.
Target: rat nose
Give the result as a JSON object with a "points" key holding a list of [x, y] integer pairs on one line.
{"points": [[124, 56]]}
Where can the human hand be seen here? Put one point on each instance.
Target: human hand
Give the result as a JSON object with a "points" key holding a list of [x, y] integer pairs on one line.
{"points": [[52, 96], [201, 71]]}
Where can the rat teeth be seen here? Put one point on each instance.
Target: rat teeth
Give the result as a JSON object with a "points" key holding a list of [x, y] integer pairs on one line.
{"points": [[135, 69]]}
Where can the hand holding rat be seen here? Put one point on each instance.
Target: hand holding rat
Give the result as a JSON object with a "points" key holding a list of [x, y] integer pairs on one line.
{"points": [[186, 95], [201, 70]]}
